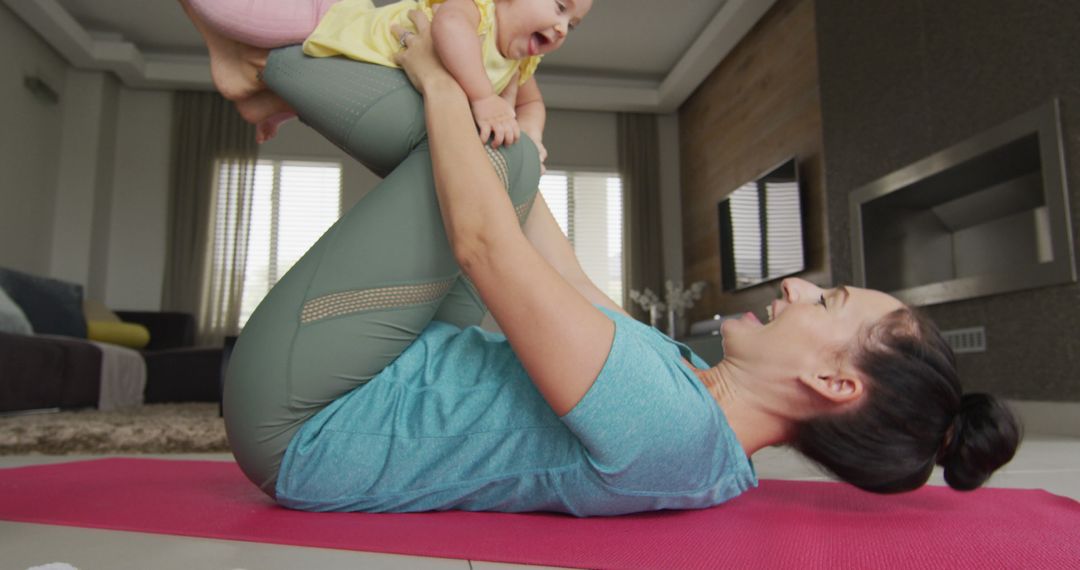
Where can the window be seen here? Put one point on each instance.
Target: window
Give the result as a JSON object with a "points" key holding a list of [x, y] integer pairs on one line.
{"points": [[589, 208], [746, 235], [766, 228], [761, 232], [294, 203]]}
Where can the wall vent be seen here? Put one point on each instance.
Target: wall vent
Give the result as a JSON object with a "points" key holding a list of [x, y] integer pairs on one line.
{"points": [[965, 341]]}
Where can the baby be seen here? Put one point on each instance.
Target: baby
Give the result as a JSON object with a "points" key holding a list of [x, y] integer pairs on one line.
{"points": [[492, 48]]}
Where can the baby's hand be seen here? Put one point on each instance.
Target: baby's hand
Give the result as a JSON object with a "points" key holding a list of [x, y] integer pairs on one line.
{"points": [[496, 118]]}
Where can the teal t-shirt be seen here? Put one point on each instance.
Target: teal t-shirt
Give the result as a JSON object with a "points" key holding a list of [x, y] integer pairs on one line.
{"points": [[455, 423]]}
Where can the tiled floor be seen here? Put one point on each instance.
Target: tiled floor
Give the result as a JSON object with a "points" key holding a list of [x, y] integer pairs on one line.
{"points": [[1044, 462]]}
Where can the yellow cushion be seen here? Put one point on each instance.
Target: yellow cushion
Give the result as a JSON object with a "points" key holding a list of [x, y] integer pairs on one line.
{"points": [[130, 335]]}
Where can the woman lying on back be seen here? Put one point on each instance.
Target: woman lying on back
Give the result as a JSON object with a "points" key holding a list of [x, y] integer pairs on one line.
{"points": [[361, 382]]}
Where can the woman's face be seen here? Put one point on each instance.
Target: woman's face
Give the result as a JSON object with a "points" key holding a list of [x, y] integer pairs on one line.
{"points": [[808, 331], [536, 27]]}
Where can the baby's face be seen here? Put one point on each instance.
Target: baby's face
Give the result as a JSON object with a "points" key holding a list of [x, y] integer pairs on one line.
{"points": [[536, 27]]}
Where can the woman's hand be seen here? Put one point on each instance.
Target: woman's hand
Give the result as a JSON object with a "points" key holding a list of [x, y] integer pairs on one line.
{"points": [[417, 56]]}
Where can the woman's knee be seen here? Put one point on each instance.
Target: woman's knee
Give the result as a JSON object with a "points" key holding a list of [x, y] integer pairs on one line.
{"points": [[522, 164]]}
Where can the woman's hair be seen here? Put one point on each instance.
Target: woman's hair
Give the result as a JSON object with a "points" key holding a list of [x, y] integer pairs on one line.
{"points": [[914, 415]]}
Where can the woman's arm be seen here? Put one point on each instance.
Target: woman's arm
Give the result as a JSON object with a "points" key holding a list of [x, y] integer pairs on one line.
{"points": [[544, 234], [456, 42], [560, 338]]}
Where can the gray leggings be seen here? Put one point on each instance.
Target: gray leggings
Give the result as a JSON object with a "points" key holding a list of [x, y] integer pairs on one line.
{"points": [[374, 281]]}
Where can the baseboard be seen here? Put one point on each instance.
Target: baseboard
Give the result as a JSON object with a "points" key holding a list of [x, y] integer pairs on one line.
{"points": [[1048, 418]]}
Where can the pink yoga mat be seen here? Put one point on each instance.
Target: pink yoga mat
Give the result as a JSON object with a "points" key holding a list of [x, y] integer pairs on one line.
{"points": [[782, 524]]}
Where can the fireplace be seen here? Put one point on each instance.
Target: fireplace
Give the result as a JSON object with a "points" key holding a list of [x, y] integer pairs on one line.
{"points": [[986, 216]]}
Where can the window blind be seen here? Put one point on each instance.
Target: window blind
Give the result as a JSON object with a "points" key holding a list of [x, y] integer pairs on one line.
{"points": [[783, 233], [766, 231], [294, 203], [746, 234], [588, 207]]}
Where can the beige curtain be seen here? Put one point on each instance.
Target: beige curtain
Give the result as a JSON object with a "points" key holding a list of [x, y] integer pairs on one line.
{"points": [[213, 149], [639, 166]]}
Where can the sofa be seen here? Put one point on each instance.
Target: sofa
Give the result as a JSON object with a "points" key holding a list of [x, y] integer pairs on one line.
{"points": [[60, 351]]}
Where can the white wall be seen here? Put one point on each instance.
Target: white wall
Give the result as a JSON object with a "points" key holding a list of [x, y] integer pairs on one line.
{"points": [[112, 188], [79, 173], [581, 139], [141, 172], [104, 179], [84, 184], [29, 141]]}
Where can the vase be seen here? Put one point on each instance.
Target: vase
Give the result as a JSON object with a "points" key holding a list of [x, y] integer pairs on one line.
{"points": [[676, 325], [654, 317]]}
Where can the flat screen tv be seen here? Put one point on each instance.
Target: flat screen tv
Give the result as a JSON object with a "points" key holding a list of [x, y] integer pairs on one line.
{"points": [[761, 229]]}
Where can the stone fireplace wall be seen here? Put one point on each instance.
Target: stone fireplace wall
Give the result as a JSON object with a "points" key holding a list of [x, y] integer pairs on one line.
{"points": [[902, 80]]}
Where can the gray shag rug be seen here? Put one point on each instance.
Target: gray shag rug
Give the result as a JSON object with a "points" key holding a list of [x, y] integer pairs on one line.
{"points": [[152, 428]]}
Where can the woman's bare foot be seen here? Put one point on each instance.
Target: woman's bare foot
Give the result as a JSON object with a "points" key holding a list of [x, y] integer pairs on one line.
{"points": [[234, 66], [267, 111], [235, 69], [267, 129]]}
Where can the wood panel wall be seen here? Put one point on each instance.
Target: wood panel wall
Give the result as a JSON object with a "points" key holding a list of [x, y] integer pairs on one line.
{"points": [[760, 106]]}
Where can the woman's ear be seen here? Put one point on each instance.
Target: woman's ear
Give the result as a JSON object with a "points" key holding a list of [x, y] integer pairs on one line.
{"points": [[839, 387]]}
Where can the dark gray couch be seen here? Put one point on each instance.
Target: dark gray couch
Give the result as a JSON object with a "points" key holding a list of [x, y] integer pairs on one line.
{"points": [[56, 367], [47, 372], [176, 369]]}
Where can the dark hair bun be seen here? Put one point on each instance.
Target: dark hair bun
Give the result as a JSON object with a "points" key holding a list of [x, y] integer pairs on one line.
{"points": [[985, 435]]}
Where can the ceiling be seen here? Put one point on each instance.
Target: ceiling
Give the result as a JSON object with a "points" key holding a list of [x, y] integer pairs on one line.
{"points": [[628, 55]]}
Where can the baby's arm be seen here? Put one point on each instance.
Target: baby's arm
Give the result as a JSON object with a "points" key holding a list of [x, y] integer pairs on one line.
{"points": [[531, 113], [454, 33]]}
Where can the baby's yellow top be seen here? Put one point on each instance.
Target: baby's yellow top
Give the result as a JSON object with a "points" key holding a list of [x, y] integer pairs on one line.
{"points": [[359, 30]]}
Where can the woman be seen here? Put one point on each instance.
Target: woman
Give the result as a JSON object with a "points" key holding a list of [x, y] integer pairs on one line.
{"points": [[355, 387]]}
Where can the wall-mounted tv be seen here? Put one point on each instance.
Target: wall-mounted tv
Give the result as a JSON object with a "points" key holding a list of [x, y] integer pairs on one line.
{"points": [[761, 229]]}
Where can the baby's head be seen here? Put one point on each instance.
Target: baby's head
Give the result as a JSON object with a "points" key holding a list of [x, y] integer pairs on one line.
{"points": [[536, 27]]}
